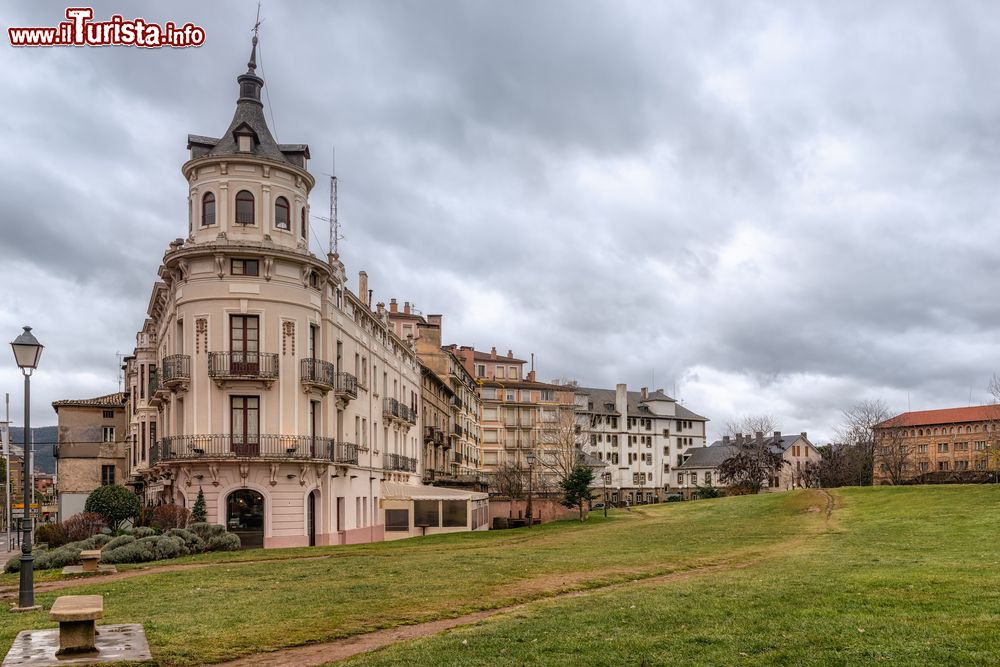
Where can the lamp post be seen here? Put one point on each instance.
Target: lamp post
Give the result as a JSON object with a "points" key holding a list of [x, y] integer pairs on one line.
{"points": [[27, 351], [605, 476], [530, 456]]}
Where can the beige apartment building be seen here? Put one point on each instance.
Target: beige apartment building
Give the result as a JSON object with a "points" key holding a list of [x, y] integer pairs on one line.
{"points": [[451, 429], [259, 377], [91, 450]]}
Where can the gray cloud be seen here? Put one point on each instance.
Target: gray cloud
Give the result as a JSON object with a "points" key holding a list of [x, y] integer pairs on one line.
{"points": [[775, 207]]}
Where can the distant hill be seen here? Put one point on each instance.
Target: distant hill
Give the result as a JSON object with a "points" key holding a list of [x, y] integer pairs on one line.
{"points": [[45, 438]]}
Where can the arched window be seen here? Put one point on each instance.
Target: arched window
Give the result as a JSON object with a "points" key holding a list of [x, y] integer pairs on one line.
{"points": [[208, 210], [244, 208], [282, 214], [305, 229]]}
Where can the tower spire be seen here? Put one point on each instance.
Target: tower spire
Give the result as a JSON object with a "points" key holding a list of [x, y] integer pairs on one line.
{"points": [[252, 65]]}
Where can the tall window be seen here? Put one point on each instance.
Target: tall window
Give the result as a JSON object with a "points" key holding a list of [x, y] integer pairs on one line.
{"points": [[245, 425], [282, 214], [107, 475], [305, 227], [109, 434], [244, 208], [244, 341], [208, 209]]}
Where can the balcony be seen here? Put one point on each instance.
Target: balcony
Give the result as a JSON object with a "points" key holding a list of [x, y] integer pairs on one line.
{"points": [[400, 412], [399, 462], [175, 371], [428, 434], [260, 446], [438, 437], [456, 403], [318, 374], [458, 430], [458, 457], [224, 366], [155, 390]]}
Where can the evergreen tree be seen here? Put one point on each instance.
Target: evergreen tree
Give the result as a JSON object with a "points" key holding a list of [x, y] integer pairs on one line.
{"points": [[576, 488], [198, 512]]}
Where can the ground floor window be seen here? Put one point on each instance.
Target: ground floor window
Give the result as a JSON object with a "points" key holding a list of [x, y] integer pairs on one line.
{"points": [[425, 513], [397, 520], [245, 517], [455, 514]]}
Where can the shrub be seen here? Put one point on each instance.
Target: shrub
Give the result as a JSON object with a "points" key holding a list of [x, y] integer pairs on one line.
{"points": [[119, 541], [207, 531], [115, 503], [705, 492], [170, 516], [51, 534], [167, 546], [139, 551], [192, 542], [57, 558], [81, 526], [224, 542], [144, 531]]}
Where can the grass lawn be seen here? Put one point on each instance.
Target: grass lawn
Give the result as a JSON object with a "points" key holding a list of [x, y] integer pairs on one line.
{"points": [[233, 608], [905, 576]]}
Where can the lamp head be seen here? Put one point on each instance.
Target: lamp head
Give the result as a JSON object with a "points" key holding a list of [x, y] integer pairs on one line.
{"points": [[27, 350]]}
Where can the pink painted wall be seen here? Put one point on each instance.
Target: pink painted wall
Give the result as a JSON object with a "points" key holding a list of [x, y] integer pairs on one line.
{"points": [[544, 509]]}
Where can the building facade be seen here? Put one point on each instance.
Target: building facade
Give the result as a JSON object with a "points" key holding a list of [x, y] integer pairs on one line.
{"points": [[91, 448], [641, 437], [934, 445], [700, 467], [259, 377]]}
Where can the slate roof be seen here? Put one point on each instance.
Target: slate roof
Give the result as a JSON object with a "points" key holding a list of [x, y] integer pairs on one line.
{"points": [[717, 452], [116, 400], [601, 397], [249, 117]]}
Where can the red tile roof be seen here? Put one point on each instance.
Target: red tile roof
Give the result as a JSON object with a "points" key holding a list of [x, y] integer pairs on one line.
{"points": [[945, 416], [117, 400]]}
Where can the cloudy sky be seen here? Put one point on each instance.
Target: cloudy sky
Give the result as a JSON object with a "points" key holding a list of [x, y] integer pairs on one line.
{"points": [[777, 207]]}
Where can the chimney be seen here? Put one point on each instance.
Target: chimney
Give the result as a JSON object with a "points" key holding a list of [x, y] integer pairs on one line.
{"points": [[434, 320], [760, 437], [406, 307], [621, 401], [531, 376], [363, 288], [777, 436], [725, 439], [644, 392], [493, 353], [393, 307], [510, 354], [803, 434], [739, 438], [380, 307]]}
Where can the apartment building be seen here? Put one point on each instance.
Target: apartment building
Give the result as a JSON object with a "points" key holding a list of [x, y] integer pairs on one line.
{"points": [[934, 445], [521, 415], [451, 437], [700, 466], [259, 377], [91, 448], [641, 436]]}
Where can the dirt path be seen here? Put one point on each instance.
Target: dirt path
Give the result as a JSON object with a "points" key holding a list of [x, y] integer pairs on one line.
{"points": [[314, 655]]}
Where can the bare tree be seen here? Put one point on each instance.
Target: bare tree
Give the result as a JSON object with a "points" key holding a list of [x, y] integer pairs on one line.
{"points": [[751, 465], [751, 424], [559, 451], [509, 480], [892, 453], [857, 430]]}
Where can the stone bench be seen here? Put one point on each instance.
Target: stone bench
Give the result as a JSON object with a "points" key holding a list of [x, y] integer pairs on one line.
{"points": [[77, 616], [89, 559]]}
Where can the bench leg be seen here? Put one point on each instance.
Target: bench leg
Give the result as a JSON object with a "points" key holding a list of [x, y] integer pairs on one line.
{"points": [[76, 637], [89, 565]]}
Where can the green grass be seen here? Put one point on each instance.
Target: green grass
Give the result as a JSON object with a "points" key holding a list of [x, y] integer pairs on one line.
{"points": [[905, 576], [237, 608]]}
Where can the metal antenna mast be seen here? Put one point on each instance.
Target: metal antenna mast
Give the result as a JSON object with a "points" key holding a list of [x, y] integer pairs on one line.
{"points": [[335, 235]]}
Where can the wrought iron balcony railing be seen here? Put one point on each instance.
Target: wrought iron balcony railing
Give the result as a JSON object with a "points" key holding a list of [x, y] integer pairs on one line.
{"points": [[175, 369], [400, 462], [242, 365], [400, 411], [257, 446]]}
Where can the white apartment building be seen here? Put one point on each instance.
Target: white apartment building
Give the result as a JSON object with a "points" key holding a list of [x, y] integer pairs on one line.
{"points": [[641, 437], [260, 378]]}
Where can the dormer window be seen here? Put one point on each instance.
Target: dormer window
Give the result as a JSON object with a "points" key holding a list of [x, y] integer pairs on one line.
{"points": [[245, 143], [208, 210], [282, 214], [244, 208]]}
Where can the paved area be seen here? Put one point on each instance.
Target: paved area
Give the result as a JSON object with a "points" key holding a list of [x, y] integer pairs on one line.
{"points": [[115, 643]]}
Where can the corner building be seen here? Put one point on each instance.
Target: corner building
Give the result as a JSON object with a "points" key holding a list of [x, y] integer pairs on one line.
{"points": [[259, 378]]}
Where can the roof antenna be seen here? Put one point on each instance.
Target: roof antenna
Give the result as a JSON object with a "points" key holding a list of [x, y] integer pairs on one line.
{"points": [[119, 371], [335, 235]]}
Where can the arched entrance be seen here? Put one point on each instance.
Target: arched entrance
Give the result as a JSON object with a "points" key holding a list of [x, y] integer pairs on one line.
{"points": [[245, 517], [311, 518]]}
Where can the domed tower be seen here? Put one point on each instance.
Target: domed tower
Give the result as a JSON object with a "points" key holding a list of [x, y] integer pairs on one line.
{"points": [[244, 186], [263, 381]]}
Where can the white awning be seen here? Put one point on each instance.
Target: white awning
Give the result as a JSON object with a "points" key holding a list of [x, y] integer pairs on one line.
{"points": [[400, 491]]}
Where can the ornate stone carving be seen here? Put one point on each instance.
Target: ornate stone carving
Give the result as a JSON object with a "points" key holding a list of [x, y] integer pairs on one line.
{"points": [[201, 334], [244, 472], [219, 265], [288, 337], [268, 267], [213, 470], [274, 474], [303, 469]]}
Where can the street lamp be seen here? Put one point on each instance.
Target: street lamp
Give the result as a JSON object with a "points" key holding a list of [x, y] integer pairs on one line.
{"points": [[605, 478], [27, 352], [530, 456]]}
